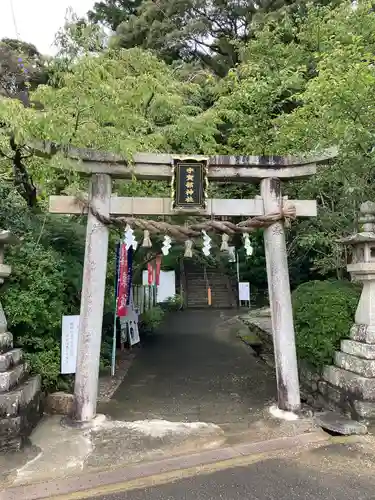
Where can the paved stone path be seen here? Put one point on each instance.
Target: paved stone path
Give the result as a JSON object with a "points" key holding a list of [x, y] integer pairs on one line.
{"points": [[195, 369]]}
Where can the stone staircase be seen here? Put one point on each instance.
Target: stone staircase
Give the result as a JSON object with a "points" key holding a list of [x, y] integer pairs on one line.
{"points": [[197, 281]]}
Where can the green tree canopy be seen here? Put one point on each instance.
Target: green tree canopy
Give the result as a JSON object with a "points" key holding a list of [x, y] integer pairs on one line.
{"points": [[305, 84], [190, 30], [22, 68], [121, 101], [113, 12]]}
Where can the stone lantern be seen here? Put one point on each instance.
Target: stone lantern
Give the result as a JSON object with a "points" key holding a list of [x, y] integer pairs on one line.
{"points": [[362, 267], [20, 407], [6, 238], [350, 382]]}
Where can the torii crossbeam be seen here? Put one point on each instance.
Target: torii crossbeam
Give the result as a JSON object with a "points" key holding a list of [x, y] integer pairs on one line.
{"points": [[101, 167]]}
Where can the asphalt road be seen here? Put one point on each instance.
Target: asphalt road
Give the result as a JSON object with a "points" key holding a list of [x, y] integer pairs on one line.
{"points": [[275, 479]]}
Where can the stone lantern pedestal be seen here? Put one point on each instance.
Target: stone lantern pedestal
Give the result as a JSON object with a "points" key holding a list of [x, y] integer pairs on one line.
{"points": [[351, 380], [20, 395]]}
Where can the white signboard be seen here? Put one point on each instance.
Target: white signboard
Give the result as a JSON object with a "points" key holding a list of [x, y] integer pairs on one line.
{"points": [[133, 330], [129, 328], [129, 323], [244, 292], [167, 285], [69, 344]]}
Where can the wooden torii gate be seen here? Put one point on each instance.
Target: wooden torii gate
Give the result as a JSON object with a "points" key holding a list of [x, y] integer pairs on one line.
{"points": [[268, 171]]}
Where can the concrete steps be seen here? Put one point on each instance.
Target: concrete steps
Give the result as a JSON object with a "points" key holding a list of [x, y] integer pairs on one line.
{"points": [[15, 401], [9, 359], [196, 283], [366, 351], [351, 363], [20, 411], [20, 397], [351, 379]]}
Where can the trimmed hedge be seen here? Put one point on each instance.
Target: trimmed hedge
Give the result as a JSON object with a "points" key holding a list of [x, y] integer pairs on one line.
{"points": [[323, 314]]}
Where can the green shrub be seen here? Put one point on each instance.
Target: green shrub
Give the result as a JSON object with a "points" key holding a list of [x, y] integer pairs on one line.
{"points": [[47, 365], [174, 303], [105, 353], [153, 318], [323, 314], [45, 284]]}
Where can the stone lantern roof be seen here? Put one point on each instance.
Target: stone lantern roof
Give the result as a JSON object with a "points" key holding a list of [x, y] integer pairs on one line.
{"points": [[8, 238], [367, 224], [358, 238]]}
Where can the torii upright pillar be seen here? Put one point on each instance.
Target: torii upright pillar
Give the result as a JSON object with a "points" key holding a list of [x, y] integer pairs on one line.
{"points": [[280, 301], [92, 301]]}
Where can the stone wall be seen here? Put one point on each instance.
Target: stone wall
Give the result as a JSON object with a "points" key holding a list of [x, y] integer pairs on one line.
{"points": [[315, 390]]}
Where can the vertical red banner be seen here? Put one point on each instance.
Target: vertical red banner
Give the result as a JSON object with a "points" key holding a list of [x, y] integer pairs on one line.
{"points": [[122, 286], [150, 273], [157, 273]]}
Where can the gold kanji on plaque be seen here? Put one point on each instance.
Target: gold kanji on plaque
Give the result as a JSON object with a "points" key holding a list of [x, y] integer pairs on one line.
{"points": [[189, 184]]}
